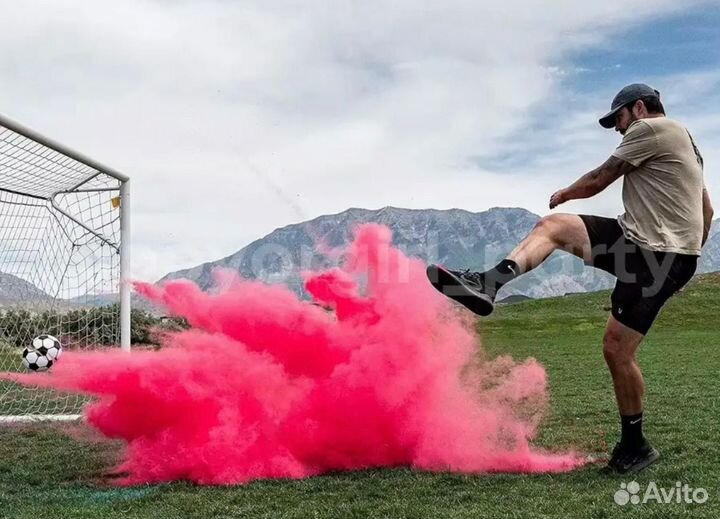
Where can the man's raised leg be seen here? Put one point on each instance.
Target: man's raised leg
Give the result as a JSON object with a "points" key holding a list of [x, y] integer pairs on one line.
{"points": [[477, 290], [553, 232]]}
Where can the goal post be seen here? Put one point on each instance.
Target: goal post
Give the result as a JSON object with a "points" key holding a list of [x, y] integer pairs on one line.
{"points": [[64, 260]]}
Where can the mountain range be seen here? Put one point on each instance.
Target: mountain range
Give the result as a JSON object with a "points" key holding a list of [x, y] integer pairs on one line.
{"points": [[14, 289], [455, 238]]}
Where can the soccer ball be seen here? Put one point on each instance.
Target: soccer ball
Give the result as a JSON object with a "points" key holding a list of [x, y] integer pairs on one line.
{"points": [[44, 352]]}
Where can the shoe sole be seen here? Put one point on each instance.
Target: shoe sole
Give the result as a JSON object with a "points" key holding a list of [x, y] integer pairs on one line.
{"points": [[651, 458], [453, 287]]}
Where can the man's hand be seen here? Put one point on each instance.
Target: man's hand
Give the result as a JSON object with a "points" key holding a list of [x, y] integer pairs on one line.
{"points": [[559, 197]]}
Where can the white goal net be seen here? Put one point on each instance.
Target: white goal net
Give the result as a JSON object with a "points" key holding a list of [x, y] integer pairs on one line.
{"points": [[63, 260]]}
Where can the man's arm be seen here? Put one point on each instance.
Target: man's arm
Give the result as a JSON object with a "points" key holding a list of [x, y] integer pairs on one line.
{"points": [[594, 182], [707, 215]]}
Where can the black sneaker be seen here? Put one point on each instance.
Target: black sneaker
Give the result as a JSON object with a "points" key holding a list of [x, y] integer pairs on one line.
{"points": [[630, 461], [464, 287]]}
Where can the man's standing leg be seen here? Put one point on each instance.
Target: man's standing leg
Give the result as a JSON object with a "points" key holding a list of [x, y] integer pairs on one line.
{"points": [[620, 345]]}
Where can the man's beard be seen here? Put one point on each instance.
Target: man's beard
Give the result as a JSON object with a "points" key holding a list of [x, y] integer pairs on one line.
{"points": [[632, 120]]}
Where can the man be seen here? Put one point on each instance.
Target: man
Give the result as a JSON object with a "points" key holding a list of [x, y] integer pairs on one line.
{"points": [[652, 249]]}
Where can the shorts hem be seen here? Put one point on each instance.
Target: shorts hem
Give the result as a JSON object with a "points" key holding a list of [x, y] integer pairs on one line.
{"points": [[642, 330]]}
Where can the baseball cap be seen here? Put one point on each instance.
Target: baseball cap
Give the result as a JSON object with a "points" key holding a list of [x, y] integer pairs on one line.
{"points": [[626, 96]]}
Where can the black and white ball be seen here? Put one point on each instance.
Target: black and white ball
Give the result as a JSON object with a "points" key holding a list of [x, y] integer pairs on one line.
{"points": [[44, 352]]}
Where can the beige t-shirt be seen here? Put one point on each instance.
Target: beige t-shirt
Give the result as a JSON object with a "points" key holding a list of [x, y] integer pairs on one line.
{"points": [[663, 196]]}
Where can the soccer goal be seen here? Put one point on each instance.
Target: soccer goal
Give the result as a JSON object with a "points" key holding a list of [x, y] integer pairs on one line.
{"points": [[64, 257]]}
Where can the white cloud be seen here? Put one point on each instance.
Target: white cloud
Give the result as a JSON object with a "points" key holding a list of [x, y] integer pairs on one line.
{"points": [[234, 118]]}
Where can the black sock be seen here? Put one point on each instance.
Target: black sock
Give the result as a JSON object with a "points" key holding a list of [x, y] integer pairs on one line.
{"points": [[499, 275], [632, 435]]}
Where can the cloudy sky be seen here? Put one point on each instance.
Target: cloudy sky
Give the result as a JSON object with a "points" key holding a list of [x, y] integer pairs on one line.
{"points": [[234, 118]]}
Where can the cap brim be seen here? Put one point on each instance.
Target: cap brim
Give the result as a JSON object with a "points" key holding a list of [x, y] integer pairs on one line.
{"points": [[608, 120]]}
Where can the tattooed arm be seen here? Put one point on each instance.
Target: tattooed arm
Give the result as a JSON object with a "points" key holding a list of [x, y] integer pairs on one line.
{"points": [[593, 182]]}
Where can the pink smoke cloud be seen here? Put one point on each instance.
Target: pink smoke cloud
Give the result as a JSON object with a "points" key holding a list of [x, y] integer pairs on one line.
{"points": [[381, 371]]}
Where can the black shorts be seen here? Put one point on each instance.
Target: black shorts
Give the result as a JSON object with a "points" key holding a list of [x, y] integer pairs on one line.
{"points": [[645, 279]]}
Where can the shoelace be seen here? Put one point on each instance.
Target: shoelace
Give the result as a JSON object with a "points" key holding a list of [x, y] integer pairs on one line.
{"points": [[475, 277]]}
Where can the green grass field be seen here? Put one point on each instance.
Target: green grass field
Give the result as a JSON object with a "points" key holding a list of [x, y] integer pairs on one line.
{"points": [[56, 472]]}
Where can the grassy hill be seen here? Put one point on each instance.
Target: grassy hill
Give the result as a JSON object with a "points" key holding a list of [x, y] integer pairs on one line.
{"points": [[46, 475]]}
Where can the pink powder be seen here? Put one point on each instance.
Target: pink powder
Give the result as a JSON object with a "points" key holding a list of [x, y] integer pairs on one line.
{"points": [[265, 385]]}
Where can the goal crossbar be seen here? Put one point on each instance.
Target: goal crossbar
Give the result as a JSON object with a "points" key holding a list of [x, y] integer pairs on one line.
{"points": [[31, 134]]}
